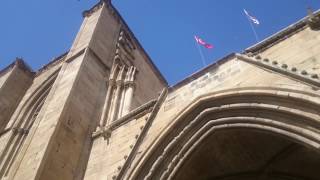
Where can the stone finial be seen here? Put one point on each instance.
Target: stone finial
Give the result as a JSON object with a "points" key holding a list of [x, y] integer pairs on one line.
{"points": [[96, 7], [19, 59], [313, 20]]}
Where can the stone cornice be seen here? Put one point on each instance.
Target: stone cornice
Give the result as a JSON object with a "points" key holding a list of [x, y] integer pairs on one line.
{"points": [[201, 72], [293, 73], [52, 63], [302, 76]]}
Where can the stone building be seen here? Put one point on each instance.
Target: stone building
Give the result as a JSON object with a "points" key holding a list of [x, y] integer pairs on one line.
{"points": [[103, 111]]}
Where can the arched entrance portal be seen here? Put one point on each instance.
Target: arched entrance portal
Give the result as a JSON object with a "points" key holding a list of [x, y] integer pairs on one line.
{"points": [[248, 154], [247, 134]]}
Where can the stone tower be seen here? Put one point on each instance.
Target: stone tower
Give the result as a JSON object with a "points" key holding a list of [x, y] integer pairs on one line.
{"points": [[103, 110]]}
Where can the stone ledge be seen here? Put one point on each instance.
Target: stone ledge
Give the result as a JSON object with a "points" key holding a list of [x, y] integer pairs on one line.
{"points": [[138, 112]]}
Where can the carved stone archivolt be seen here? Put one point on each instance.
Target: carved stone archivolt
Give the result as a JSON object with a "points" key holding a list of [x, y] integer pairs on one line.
{"points": [[235, 108]]}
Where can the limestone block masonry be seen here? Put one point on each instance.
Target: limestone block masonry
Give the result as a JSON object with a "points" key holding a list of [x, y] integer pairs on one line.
{"points": [[103, 111]]}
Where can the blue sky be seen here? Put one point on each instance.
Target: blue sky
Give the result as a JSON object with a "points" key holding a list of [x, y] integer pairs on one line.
{"points": [[39, 30]]}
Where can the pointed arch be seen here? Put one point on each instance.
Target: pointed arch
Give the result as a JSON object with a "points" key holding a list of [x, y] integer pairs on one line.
{"points": [[288, 113]]}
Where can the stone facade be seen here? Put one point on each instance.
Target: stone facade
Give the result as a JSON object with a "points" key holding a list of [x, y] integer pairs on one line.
{"points": [[103, 110]]}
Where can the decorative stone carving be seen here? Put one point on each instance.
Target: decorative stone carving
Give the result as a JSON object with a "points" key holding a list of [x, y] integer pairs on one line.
{"points": [[125, 48], [314, 76], [304, 72], [121, 82], [258, 57], [274, 62]]}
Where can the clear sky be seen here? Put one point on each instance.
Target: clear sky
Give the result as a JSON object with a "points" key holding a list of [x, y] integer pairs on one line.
{"points": [[39, 30]]}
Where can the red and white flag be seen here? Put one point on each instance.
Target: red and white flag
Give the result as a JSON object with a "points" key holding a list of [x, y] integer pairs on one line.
{"points": [[252, 18], [202, 42]]}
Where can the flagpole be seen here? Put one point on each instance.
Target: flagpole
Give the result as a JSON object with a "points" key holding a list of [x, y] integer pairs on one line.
{"points": [[253, 30], [201, 54]]}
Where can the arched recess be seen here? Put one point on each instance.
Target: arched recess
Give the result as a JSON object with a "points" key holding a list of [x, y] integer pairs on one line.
{"points": [[282, 113], [23, 121]]}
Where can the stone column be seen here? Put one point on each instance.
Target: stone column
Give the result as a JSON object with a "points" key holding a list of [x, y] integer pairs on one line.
{"points": [[106, 106], [122, 99], [116, 102], [130, 85]]}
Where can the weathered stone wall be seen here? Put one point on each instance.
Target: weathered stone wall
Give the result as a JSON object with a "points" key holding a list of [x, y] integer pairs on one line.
{"points": [[19, 116], [300, 50], [13, 84], [148, 84], [40, 138], [71, 136], [108, 155]]}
